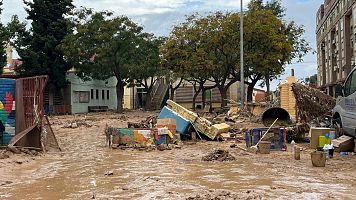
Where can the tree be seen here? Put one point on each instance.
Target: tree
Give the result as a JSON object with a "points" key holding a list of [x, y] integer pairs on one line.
{"points": [[269, 44], [3, 41], [38, 47], [185, 56], [148, 70], [311, 80], [278, 42], [203, 49], [103, 46]]}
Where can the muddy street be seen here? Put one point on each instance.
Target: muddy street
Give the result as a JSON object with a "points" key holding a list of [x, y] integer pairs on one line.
{"points": [[87, 168]]}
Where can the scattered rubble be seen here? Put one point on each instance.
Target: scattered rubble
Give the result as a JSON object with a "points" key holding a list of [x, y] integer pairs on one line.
{"points": [[149, 122], [76, 123], [3, 155], [109, 173], [10, 151], [312, 103], [219, 155]]}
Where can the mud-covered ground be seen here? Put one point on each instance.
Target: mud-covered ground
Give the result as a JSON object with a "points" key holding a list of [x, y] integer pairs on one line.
{"points": [[78, 172]]}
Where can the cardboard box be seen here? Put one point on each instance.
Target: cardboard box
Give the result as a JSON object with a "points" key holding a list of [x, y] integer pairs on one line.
{"points": [[314, 134], [343, 144]]}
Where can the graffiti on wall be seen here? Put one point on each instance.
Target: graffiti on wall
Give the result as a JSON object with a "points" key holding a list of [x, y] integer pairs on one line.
{"points": [[7, 109]]}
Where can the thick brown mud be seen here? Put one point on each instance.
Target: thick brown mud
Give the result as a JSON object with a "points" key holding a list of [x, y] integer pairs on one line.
{"points": [[79, 171]]}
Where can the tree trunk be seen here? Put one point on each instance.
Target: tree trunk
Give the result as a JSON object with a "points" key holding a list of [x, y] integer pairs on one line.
{"points": [[203, 97], [223, 93], [196, 93], [268, 89], [249, 92], [171, 90], [250, 88], [119, 94]]}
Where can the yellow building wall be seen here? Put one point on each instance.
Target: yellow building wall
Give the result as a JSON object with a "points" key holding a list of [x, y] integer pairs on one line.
{"points": [[287, 98]]}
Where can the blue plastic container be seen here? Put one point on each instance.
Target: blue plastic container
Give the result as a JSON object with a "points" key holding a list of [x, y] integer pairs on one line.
{"points": [[182, 123]]}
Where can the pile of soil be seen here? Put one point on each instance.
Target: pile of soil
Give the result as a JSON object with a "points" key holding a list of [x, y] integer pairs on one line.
{"points": [[219, 155]]}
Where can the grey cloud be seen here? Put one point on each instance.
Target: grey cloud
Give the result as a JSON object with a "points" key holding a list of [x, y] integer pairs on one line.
{"points": [[158, 16]]}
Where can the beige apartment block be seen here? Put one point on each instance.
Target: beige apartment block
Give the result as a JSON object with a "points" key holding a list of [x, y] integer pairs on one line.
{"points": [[335, 34]]}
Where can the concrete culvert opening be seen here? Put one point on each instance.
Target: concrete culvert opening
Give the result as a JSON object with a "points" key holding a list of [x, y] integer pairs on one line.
{"points": [[271, 114]]}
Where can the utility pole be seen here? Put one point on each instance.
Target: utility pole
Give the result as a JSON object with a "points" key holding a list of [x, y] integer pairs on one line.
{"points": [[242, 79]]}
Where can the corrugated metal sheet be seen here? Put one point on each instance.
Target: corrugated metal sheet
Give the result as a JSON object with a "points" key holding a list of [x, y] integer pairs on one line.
{"points": [[29, 110], [7, 109]]}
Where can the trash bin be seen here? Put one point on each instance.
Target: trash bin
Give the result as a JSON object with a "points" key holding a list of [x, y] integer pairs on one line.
{"points": [[318, 158]]}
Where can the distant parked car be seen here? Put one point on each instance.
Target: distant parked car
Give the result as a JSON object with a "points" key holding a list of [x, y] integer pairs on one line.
{"points": [[344, 113]]}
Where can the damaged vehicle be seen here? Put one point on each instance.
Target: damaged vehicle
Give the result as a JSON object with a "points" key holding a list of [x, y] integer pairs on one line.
{"points": [[344, 113]]}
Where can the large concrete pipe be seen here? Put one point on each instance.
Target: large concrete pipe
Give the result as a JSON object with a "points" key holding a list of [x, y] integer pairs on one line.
{"points": [[271, 114]]}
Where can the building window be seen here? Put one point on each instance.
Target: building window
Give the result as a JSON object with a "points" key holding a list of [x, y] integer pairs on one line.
{"points": [[81, 97], [97, 94], [103, 94], [107, 94], [91, 94]]}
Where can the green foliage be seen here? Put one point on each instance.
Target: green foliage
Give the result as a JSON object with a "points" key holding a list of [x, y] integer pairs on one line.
{"points": [[278, 42], [103, 46], [3, 41], [274, 5], [147, 68], [202, 49], [207, 47], [38, 47], [311, 80]]}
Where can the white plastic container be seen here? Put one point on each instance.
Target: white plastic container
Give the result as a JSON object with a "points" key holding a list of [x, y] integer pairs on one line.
{"points": [[292, 145]]}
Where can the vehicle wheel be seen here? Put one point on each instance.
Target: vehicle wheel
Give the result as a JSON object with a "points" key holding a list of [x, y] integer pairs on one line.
{"points": [[337, 124]]}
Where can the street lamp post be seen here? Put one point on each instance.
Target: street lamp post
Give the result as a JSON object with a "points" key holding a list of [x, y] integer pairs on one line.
{"points": [[242, 78]]}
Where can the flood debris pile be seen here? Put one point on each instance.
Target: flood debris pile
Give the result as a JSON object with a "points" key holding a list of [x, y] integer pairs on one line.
{"points": [[149, 122], [235, 116], [76, 123], [9, 151], [312, 103], [219, 155]]}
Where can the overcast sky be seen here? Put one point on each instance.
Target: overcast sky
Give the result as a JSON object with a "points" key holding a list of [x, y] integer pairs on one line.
{"points": [[158, 16]]}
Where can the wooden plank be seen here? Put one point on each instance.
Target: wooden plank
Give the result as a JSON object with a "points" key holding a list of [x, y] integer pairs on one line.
{"points": [[20, 113], [20, 135]]}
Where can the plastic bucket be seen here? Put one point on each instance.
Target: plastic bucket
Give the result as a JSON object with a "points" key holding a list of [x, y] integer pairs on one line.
{"points": [[318, 158], [264, 147]]}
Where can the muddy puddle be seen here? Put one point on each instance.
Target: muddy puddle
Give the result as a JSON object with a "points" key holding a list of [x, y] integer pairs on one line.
{"points": [[79, 173]]}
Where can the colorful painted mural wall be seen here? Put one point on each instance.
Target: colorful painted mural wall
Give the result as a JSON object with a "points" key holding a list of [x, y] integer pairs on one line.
{"points": [[7, 109]]}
